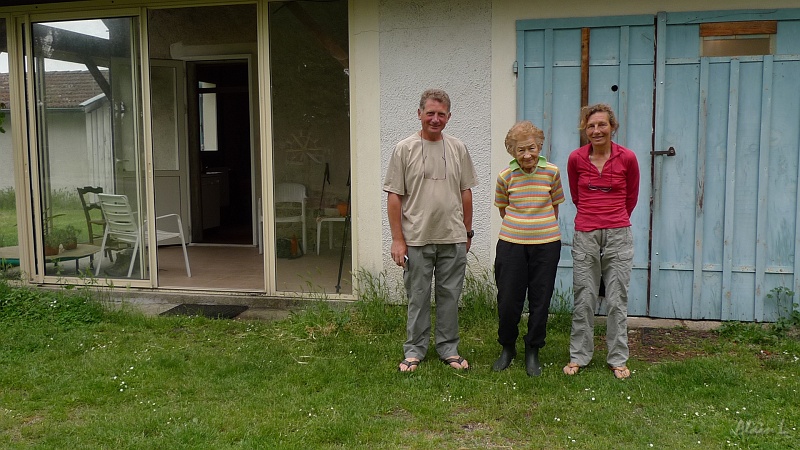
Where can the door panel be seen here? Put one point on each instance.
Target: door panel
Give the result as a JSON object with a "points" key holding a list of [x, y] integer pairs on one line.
{"points": [[620, 74], [725, 226], [87, 130], [720, 237], [170, 162]]}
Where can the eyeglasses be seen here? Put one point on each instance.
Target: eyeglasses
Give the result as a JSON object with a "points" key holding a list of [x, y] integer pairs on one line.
{"points": [[434, 165], [599, 188]]}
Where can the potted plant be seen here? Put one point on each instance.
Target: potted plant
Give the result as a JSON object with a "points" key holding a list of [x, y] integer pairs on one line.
{"points": [[69, 237], [52, 240]]}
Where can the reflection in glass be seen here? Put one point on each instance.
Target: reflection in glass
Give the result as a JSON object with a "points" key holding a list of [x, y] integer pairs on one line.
{"points": [[9, 239], [311, 144], [85, 77], [208, 118]]}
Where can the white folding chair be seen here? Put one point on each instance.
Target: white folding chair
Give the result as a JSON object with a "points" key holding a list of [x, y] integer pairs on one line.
{"points": [[121, 225], [287, 197]]}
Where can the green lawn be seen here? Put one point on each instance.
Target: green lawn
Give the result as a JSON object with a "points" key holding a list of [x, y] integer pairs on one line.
{"points": [[66, 211], [77, 376]]}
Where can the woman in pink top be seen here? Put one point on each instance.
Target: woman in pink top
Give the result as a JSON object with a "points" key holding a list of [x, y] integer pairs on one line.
{"points": [[604, 185]]}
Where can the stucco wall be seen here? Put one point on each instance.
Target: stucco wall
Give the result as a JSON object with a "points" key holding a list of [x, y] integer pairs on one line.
{"points": [[438, 44]]}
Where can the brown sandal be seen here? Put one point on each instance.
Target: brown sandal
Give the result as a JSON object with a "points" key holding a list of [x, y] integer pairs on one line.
{"points": [[571, 369], [408, 365], [459, 361]]}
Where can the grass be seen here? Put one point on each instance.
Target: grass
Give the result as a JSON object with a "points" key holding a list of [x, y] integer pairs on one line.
{"points": [[66, 210], [78, 375]]}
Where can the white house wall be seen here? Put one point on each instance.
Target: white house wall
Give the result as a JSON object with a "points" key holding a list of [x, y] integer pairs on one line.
{"points": [[447, 45], [67, 131]]}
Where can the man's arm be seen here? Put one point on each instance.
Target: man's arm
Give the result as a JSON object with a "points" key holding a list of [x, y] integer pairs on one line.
{"points": [[466, 204], [394, 205]]}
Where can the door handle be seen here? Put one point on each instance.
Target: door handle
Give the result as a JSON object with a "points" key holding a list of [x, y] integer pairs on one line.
{"points": [[670, 152]]}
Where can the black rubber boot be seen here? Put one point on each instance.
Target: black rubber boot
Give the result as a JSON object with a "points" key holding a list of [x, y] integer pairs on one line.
{"points": [[506, 356], [532, 366]]}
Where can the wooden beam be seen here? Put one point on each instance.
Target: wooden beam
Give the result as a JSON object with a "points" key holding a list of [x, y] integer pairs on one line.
{"points": [[738, 28], [585, 41]]}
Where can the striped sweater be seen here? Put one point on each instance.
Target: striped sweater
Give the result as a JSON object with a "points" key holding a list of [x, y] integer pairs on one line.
{"points": [[528, 200]]}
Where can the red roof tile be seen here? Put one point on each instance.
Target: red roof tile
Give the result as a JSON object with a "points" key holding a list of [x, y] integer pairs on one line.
{"points": [[64, 89]]}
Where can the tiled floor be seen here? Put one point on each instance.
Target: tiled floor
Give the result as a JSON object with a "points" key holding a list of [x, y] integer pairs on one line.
{"points": [[241, 268], [230, 267]]}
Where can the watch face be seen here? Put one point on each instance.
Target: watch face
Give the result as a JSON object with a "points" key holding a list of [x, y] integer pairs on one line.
{"points": [[470, 234]]}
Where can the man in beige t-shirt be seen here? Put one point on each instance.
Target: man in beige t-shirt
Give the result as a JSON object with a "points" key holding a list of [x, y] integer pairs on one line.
{"points": [[429, 185]]}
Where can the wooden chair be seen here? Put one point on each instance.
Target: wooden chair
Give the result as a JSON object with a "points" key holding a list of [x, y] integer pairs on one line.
{"points": [[95, 225]]}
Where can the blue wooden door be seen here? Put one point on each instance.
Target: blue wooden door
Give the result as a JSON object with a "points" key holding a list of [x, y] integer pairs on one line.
{"points": [[620, 74], [716, 225], [725, 228]]}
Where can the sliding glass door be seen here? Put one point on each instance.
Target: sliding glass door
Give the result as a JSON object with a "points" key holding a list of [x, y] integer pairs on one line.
{"points": [[85, 81], [309, 75]]}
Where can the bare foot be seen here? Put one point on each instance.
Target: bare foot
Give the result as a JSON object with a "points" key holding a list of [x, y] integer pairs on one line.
{"points": [[571, 368]]}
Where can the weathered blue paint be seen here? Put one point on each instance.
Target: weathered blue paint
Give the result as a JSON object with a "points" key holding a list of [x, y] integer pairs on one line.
{"points": [[725, 220], [621, 73]]}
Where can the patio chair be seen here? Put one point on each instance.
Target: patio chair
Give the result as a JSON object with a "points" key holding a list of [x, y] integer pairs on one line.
{"points": [[121, 225], [288, 196], [95, 225]]}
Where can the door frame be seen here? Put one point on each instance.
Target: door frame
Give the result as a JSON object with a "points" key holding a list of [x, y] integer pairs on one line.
{"points": [[193, 141]]}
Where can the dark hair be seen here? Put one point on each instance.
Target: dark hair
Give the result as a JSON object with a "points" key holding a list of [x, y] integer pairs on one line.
{"points": [[434, 94], [587, 112]]}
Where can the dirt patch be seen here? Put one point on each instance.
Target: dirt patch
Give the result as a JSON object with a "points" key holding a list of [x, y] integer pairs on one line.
{"points": [[668, 344]]}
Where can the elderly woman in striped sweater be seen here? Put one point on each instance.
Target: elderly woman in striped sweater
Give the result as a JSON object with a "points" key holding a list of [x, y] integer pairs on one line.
{"points": [[527, 194]]}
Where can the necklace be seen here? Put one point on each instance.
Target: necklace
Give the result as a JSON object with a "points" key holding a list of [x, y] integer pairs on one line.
{"points": [[434, 166]]}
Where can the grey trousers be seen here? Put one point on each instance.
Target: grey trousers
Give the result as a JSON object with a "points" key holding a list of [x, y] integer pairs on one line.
{"points": [[446, 263], [606, 252]]}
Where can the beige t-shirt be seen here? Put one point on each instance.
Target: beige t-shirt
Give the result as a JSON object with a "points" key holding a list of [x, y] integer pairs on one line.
{"points": [[429, 176]]}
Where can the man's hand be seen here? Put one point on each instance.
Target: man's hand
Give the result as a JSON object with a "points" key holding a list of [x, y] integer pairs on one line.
{"points": [[399, 252]]}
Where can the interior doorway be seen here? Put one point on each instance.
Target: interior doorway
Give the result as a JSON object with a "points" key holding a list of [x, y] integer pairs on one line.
{"points": [[220, 152], [203, 98]]}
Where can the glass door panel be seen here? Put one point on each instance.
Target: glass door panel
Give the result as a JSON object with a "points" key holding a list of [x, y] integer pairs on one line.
{"points": [[203, 67], [86, 78], [9, 238], [311, 145]]}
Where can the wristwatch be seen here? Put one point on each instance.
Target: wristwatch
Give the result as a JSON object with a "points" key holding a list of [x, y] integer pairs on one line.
{"points": [[470, 234]]}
